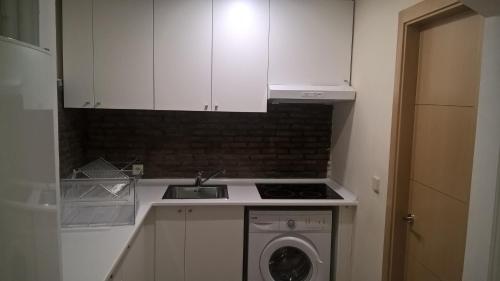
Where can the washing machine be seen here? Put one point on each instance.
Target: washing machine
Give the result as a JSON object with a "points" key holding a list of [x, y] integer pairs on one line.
{"points": [[289, 245]]}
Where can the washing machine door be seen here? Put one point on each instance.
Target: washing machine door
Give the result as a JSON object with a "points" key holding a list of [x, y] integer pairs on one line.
{"points": [[289, 258]]}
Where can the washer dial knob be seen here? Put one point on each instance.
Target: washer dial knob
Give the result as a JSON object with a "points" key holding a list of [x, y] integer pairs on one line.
{"points": [[291, 223]]}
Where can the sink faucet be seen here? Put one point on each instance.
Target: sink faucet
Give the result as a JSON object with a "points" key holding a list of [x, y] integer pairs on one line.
{"points": [[199, 181]]}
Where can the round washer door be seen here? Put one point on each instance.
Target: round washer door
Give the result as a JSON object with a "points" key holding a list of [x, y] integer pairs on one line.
{"points": [[289, 258]]}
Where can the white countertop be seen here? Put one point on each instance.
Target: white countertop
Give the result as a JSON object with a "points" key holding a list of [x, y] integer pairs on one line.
{"points": [[89, 254]]}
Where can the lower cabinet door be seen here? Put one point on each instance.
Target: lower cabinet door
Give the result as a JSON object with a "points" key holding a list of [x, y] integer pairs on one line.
{"points": [[137, 263], [170, 241], [118, 272], [214, 243]]}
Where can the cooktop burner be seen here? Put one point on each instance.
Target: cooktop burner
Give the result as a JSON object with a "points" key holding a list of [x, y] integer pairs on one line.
{"points": [[296, 191]]}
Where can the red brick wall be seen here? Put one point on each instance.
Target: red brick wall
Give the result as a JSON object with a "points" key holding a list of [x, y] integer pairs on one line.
{"points": [[290, 141], [72, 136]]}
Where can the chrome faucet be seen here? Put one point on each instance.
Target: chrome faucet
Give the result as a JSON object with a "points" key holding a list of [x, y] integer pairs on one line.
{"points": [[199, 181]]}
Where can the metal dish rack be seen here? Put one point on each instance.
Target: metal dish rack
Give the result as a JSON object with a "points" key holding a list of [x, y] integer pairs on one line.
{"points": [[99, 194]]}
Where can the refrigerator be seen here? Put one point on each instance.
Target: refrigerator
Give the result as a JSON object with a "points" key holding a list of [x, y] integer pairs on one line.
{"points": [[29, 221]]}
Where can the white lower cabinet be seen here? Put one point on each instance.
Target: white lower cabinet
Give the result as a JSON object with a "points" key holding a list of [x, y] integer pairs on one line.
{"points": [[137, 263], [185, 244], [170, 240], [214, 243], [199, 243]]}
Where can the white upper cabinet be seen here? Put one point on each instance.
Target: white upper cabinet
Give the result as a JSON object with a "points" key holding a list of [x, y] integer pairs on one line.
{"points": [[183, 54], [310, 42], [201, 55], [78, 53], [240, 55], [123, 54]]}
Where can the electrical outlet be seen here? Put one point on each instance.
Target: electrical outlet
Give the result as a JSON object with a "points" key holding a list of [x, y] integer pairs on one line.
{"points": [[137, 169]]}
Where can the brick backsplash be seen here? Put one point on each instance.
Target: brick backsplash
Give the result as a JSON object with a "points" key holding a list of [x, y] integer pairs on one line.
{"points": [[290, 141], [72, 135]]}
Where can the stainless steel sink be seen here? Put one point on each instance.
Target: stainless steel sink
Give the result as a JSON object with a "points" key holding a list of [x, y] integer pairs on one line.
{"points": [[196, 192]]}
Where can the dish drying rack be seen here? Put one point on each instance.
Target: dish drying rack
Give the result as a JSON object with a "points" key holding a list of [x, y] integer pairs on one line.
{"points": [[99, 194]]}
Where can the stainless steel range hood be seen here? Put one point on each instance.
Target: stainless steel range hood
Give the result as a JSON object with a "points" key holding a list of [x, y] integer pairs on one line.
{"points": [[310, 94]]}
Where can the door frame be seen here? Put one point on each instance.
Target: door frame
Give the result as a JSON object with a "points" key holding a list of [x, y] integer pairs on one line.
{"points": [[410, 21]]}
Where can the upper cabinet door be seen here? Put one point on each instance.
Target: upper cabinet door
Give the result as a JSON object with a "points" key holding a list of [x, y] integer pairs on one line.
{"points": [[123, 54], [310, 42], [183, 54], [78, 53], [240, 55]]}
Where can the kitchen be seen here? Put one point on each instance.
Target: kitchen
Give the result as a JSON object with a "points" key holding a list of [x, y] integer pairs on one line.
{"points": [[249, 140]]}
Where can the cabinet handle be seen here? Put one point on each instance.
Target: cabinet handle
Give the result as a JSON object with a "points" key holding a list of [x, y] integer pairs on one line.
{"points": [[179, 211], [190, 210], [97, 104], [206, 106], [87, 103], [216, 107]]}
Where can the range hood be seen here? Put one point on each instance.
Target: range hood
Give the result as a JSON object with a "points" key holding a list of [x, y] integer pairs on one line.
{"points": [[310, 94]]}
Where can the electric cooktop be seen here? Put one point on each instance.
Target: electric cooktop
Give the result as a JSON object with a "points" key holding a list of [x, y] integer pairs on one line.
{"points": [[296, 191]]}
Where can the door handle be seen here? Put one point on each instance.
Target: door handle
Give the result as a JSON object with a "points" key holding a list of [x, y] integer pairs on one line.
{"points": [[410, 218]]}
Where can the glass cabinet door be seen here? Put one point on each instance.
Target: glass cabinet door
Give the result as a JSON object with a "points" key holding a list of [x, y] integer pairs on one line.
{"points": [[19, 19]]}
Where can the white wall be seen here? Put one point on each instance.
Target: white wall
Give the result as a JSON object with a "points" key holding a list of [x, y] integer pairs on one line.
{"points": [[486, 161], [486, 8], [361, 140], [362, 132], [495, 270]]}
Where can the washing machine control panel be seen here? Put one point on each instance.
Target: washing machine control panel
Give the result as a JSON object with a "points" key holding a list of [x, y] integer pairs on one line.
{"points": [[305, 223], [290, 221]]}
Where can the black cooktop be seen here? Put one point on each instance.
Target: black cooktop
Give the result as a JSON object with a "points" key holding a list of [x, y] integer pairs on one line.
{"points": [[296, 191]]}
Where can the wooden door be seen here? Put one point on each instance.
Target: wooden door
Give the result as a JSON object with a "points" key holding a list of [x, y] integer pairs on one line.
{"points": [[170, 241], [123, 54], [183, 54], [214, 243], [447, 86], [240, 55]]}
